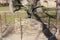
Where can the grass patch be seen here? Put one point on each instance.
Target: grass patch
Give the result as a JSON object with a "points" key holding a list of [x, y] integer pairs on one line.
{"points": [[5, 8], [43, 15], [11, 17], [49, 9], [53, 14]]}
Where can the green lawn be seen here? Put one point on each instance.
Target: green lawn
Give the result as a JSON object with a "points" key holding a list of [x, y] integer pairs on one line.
{"points": [[5, 8], [11, 17], [43, 15], [49, 9]]}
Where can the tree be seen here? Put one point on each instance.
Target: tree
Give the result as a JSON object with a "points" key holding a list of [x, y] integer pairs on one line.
{"points": [[58, 15], [34, 4], [11, 6], [58, 9]]}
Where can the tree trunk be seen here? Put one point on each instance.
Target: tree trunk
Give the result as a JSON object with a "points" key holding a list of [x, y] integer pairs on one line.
{"points": [[11, 6], [58, 9], [34, 5], [58, 15]]}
